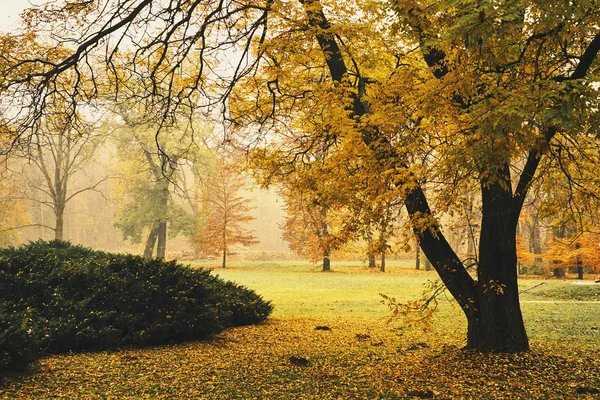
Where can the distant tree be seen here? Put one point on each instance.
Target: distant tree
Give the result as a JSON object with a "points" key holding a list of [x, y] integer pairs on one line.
{"points": [[224, 212], [308, 226], [13, 207], [150, 178], [452, 92], [53, 169]]}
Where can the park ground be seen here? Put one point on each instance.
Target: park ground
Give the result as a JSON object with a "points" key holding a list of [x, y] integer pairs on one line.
{"points": [[329, 338]]}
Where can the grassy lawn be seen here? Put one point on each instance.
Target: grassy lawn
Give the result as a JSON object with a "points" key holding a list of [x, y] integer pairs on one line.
{"points": [[359, 356]]}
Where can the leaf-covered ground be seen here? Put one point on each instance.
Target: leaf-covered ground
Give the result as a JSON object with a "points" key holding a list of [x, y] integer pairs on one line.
{"points": [[329, 339], [288, 358]]}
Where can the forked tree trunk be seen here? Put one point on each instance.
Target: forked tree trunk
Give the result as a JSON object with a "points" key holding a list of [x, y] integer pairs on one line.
{"points": [[498, 323], [491, 304]]}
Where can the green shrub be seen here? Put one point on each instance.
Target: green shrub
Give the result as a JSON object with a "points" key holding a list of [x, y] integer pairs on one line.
{"points": [[57, 297], [17, 340]]}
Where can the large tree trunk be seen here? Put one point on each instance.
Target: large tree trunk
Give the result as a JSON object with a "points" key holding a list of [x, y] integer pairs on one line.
{"points": [[491, 304], [498, 324]]}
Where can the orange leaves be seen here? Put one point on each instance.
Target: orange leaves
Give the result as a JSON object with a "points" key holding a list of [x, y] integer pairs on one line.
{"points": [[568, 252], [224, 211]]}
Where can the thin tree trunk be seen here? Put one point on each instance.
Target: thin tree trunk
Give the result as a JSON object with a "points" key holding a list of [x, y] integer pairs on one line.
{"points": [[382, 267], [372, 261], [325, 237], [161, 246], [535, 242], [579, 269], [427, 265], [59, 228], [371, 255], [417, 257], [326, 261], [224, 263], [150, 243]]}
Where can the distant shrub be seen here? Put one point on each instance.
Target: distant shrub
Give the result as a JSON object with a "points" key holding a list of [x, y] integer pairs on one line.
{"points": [[535, 269], [56, 297]]}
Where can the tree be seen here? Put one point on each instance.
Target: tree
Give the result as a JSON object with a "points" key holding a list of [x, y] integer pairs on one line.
{"points": [[152, 180], [463, 78], [509, 84], [13, 207], [224, 212], [308, 225], [582, 250], [54, 169]]}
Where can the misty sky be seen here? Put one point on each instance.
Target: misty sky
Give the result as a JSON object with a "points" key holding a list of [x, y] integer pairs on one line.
{"points": [[9, 12]]}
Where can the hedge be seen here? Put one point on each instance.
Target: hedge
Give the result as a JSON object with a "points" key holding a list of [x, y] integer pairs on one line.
{"points": [[57, 297]]}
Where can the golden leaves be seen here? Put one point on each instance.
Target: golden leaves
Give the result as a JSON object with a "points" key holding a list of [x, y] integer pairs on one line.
{"points": [[254, 362]]}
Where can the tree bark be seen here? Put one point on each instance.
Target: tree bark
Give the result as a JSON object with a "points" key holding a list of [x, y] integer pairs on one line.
{"points": [[382, 267], [150, 243], [372, 261], [326, 261], [491, 304], [60, 223], [161, 245], [418, 257], [498, 323], [325, 237], [579, 269], [224, 263]]}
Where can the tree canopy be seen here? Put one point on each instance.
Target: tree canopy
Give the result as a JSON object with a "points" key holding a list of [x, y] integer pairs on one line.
{"points": [[462, 96]]}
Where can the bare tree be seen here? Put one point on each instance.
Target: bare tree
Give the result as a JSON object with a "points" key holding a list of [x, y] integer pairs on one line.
{"points": [[53, 166]]}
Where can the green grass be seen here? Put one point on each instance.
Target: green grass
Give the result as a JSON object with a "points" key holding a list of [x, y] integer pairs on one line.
{"points": [[295, 292], [561, 310], [361, 357]]}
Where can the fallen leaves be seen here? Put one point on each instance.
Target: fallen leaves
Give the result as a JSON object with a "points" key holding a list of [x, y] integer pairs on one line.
{"points": [[288, 358]]}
